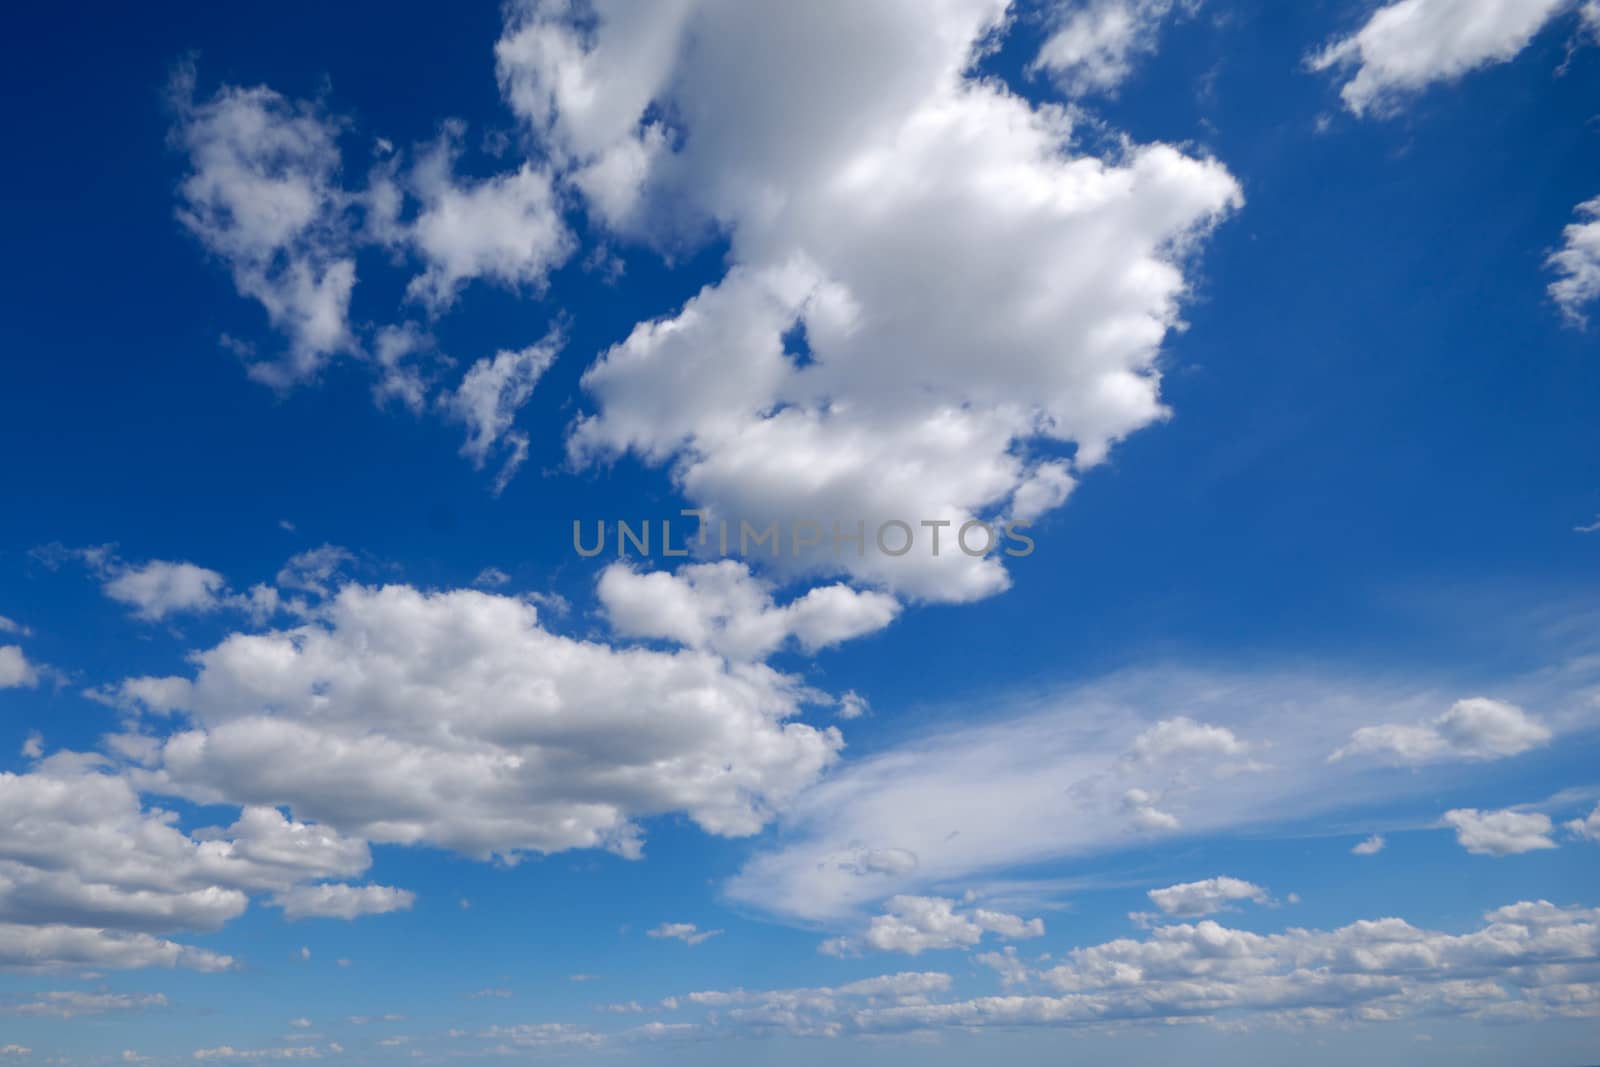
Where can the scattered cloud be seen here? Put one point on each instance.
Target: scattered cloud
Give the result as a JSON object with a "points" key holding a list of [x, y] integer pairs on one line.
{"points": [[1093, 47], [1370, 846], [1409, 45], [688, 933], [1475, 729], [1500, 833], [1577, 262], [1194, 899]]}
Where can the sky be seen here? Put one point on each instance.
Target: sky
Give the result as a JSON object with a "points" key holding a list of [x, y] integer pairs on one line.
{"points": [[396, 664]]}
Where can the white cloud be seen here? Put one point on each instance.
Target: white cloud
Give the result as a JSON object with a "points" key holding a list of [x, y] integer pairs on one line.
{"points": [[1145, 816], [1530, 960], [489, 397], [88, 873], [720, 606], [1474, 729], [1587, 828], [15, 670], [11, 626], [315, 571], [56, 946], [688, 933], [1093, 46], [1500, 833], [914, 925], [71, 1004], [1193, 899], [1578, 261], [161, 588], [505, 229], [262, 194], [901, 212], [491, 578], [1406, 46], [1182, 737], [339, 901], [1370, 846], [1050, 777], [455, 719], [228, 1052]]}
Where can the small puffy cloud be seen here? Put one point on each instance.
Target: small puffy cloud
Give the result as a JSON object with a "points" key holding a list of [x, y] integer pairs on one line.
{"points": [[491, 578], [15, 670], [1093, 46], [1475, 729], [1144, 816], [722, 607], [852, 705], [340, 901], [1588, 827], [262, 195], [315, 570], [1577, 262], [1406, 46], [1182, 738], [488, 399], [11, 626], [1369, 847], [161, 588], [1500, 833], [505, 229], [1193, 899], [913, 925], [688, 933]]}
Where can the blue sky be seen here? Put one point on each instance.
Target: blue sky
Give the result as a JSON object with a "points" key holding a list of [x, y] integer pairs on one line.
{"points": [[1268, 324]]}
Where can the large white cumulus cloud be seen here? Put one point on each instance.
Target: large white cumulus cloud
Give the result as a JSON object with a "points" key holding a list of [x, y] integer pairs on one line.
{"points": [[983, 304], [456, 719]]}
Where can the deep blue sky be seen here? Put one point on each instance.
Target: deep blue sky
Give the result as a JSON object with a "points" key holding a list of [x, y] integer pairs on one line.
{"points": [[1381, 442]]}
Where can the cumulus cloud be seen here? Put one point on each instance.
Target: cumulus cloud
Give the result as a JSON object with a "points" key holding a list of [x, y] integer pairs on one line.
{"points": [[889, 215], [1182, 737], [71, 1004], [160, 588], [1578, 262], [15, 670], [1406, 46], [488, 399], [914, 925], [720, 606], [1475, 729], [340, 901], [58, 947], [1093, 46], [1370, 846], [1500, 833], [1529, 960], [456, 719], [88, 873], [1587, 828], [688, 933], [262, 194], [505, 229], [1193, 899]]}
